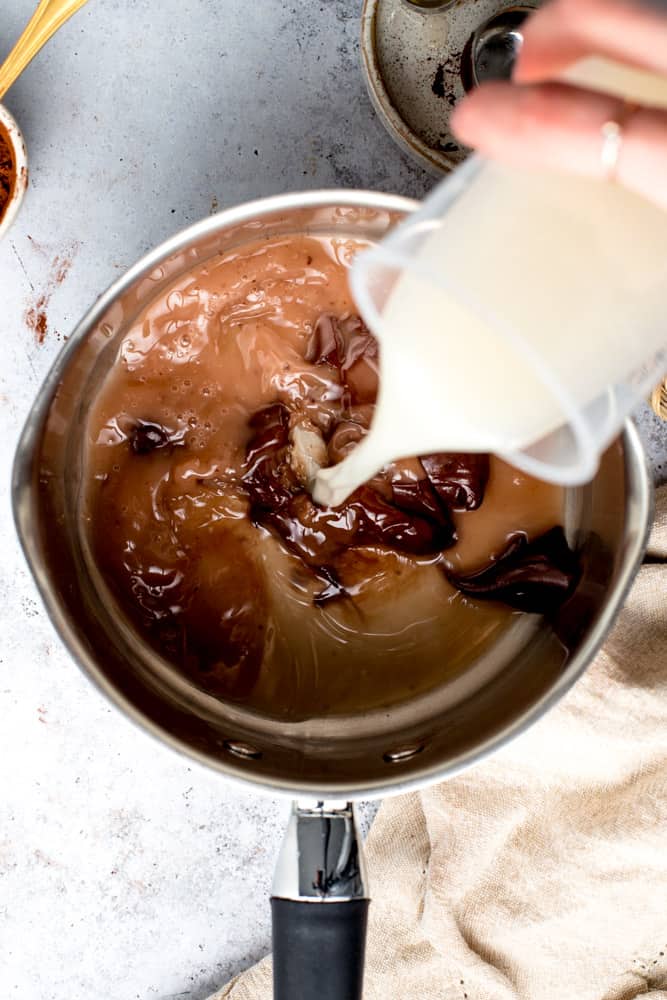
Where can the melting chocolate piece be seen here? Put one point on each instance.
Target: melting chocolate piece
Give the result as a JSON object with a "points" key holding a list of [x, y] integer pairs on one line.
{"points": [[326, 345], [271, 427], [229, 657], [458, 479], [360, 367], [318, 534], [315, 534], [269, 478], [382, 523], [146, 437], [419, 497], [529, 576], [359, 341], [348, 346], [210, 619], [226, 650]]}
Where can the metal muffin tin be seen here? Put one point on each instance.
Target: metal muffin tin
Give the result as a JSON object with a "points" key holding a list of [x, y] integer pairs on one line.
{"points": [[418, 65]]}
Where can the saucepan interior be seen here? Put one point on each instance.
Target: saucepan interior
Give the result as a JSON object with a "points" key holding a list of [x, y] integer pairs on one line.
{"points": [[361, 754]]}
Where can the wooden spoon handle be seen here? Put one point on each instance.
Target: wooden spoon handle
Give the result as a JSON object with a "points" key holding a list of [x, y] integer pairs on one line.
{"points": [[46, 20]]}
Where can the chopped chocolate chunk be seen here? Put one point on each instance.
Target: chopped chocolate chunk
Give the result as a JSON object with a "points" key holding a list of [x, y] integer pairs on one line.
{"points": [[268, 478], [410, 518], [382, 523], [146, 437], [317, 534], [347, 345], [271, 427], [360, 366], [419, 497], [458, 479], [326, 345], [532, 576]]}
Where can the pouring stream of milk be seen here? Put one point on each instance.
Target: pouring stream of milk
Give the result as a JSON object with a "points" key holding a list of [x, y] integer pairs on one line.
{"points": [[525, 283]]}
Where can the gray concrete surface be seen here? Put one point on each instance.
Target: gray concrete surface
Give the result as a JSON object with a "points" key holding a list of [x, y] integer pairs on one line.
{"points": [[124, 872]]}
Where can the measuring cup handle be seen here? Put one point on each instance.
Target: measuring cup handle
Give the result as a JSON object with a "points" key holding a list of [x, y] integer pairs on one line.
{"points": [[319, 906]]}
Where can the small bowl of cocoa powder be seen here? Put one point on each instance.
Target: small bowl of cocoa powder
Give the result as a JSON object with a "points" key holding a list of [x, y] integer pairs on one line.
{"points": [[13, 170]]}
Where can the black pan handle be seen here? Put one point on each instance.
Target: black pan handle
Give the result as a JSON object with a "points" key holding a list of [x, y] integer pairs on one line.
{"points": [[318, 949], [319, 906]]}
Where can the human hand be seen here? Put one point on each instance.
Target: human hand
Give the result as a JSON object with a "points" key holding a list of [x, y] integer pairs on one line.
{"points": [[535, 121]]}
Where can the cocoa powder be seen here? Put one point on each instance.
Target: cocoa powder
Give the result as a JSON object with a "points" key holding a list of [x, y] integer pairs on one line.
{"points": [[7, 171]]}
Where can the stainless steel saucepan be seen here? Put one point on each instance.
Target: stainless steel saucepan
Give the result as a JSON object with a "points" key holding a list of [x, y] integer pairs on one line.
{"points": [[320, 894]]}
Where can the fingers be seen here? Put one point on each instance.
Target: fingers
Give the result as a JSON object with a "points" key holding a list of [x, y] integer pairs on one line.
{"points": [[555, 126], [642, 164], [558, 126], [567, 30], [550, 125]]}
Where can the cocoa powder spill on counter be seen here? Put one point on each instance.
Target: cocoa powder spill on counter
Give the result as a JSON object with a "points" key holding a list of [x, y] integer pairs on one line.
{"points": [[7, 171], [37, 320], [35, 316]]}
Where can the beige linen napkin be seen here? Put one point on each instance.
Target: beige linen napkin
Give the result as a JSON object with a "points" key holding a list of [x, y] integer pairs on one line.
{"points": [[542, 873]]}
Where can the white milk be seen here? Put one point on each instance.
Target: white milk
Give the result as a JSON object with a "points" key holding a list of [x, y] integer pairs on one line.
{"points": [[528, 285]]}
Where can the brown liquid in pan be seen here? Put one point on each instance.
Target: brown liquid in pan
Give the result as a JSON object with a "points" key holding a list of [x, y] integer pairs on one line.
{"points": [[201, 569]]}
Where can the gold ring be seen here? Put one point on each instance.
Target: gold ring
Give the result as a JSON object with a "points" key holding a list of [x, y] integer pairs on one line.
{"points": [[612, 140]]}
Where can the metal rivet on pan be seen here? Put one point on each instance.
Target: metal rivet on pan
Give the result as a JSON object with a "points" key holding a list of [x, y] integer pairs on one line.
{"points": [[243, 750], [402, 754]]}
